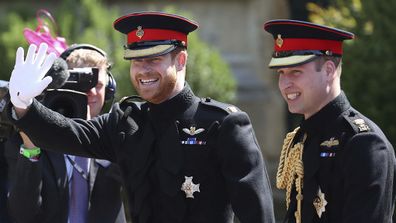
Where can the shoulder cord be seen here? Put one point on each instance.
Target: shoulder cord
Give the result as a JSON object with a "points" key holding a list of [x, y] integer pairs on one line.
{"points": [[77, 168], [291, 169]]}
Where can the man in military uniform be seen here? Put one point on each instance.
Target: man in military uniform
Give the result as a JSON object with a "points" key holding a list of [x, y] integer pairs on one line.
{"points": [[337, 166], [183, 159]]}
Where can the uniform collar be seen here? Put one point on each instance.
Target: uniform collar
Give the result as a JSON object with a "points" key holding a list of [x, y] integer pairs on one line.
{"points": [[326, 115], [173, 106]]}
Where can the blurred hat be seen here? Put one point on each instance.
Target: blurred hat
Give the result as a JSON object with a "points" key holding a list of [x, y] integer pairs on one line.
{"points": [[151, 34], [299, 42]]}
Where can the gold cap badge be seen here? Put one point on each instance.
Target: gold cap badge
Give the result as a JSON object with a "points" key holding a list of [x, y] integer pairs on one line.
{"points": [[279, 40], [139, 32]]}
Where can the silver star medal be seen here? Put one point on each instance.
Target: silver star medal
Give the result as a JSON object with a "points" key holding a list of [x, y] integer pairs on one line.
{"points": [[320, 203], [189, 187]]}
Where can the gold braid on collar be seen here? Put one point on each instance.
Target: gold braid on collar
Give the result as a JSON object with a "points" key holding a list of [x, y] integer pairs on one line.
{"points": [[291, 170]]}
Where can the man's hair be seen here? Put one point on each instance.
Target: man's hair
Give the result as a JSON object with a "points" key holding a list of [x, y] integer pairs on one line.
{"points": [[322, 59], [86, 58]]}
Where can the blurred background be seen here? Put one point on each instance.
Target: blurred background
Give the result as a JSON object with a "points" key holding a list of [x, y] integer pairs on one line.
{"points": [[229, 53]]}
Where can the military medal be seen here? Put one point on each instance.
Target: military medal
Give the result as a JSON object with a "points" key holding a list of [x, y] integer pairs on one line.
{"points": [[189, 187], [325, 154], [332, 142], [193, 141], [320, 203]]}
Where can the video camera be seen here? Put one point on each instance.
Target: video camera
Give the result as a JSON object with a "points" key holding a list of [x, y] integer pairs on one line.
{"points": [[70, 99], [65, 95]]}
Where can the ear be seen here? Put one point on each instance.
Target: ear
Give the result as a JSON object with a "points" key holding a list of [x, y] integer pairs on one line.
{"points": [[181, 60], [330, 69]]}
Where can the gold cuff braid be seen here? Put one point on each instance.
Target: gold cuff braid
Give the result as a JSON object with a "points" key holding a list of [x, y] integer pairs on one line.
{"points": [[291, 170]]}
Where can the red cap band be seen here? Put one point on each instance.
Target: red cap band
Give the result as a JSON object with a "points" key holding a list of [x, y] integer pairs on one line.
{"points": [[293, 44], [140, 35]]}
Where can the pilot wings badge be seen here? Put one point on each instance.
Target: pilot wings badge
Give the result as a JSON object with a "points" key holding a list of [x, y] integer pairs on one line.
{"points": [[193, 131], [330, 143]]}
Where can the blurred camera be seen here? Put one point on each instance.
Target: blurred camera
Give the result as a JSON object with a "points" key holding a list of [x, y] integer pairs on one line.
{"points": [[68, 99]]}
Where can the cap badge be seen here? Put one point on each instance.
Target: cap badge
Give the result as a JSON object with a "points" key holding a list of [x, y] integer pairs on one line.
{"points": [[189, 187], [139, 32], [193, 131], [320, 203], [279, 40]]}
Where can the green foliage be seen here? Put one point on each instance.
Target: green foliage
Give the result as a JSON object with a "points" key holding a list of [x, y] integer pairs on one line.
{"points": [[369, 60], [207, 73], [10, 41], [91, 21]]}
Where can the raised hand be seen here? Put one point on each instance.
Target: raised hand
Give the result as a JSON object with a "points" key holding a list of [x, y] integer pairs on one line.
{"points": [[27, 79]]}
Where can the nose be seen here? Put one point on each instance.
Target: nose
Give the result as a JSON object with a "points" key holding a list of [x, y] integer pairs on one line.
{"points": [[91, 91], [146, 68], [284, 81]]}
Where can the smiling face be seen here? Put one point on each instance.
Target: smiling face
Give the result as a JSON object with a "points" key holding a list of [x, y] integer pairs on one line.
{"points": [[307, 89], [158, 79]]}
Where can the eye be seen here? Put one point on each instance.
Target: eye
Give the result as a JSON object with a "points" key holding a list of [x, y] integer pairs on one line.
{"points": [[99, 85], [136, 61], [296, 72], [155, 59], [280, 72]]}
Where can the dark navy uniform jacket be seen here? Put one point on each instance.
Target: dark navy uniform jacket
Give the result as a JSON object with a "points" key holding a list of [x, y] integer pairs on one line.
{"points": [[348, 157], [159, 146]]}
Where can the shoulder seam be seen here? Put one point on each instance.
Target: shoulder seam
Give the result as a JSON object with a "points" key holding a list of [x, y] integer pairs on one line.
{"points": [[228, 108]]}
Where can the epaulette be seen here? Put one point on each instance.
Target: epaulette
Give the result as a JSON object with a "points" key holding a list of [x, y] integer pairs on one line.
{"points": [[219, 105], [356, 122]]}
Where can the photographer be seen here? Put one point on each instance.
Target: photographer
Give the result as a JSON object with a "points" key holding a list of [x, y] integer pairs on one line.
{"points": [[45, 184]]}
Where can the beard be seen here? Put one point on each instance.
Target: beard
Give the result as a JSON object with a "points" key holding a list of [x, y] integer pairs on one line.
{"points": [[160, 90]]}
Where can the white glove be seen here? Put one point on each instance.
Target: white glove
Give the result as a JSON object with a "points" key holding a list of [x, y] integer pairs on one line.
{"points": [[26, 80]]}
